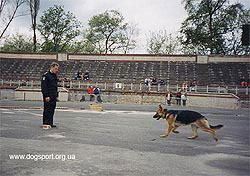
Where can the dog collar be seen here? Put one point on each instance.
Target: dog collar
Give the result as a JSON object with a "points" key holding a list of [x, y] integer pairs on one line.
{"points": [[165, 114]]}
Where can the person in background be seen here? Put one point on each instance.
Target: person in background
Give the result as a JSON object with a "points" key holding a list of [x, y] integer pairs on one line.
{"points": [[184, 86], [81, 75], [148, 83], [161, 82], [184, 98], [77, 77], [91, 93], [178, 97], [154, 81], [97, 94], [86, 75], [169, 97]]}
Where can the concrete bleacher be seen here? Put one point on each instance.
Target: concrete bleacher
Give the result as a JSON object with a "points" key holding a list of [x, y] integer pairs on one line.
{"points": [[223, 73]]}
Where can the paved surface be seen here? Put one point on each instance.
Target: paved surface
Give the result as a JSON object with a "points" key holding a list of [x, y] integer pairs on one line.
{"points": [[122, 140]]}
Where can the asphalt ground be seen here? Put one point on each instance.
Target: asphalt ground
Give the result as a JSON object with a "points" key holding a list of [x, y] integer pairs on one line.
{"points": [[121, 140]]}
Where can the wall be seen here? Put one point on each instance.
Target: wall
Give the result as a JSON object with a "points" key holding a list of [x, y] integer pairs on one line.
{"points": [[46, 56], [229, 58], [127, 57], [226, 101], [36, 95], [214, 101], [138, 57], [7, 94]]}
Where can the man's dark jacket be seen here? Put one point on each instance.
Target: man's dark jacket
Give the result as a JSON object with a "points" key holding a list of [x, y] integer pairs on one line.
{"points": [[49, 86]]}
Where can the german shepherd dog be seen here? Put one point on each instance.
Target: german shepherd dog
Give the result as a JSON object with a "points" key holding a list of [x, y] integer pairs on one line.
{"points": [[176, 118]]}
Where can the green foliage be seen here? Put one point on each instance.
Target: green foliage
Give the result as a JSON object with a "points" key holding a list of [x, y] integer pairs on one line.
{"points": [[82, 47], [18, 43], [58, 29], [213, 27], [108, 33], [162, 43]]}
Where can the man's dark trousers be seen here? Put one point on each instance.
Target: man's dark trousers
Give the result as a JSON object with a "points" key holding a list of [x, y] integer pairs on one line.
{"points": [[48, 112], [49, 91]]}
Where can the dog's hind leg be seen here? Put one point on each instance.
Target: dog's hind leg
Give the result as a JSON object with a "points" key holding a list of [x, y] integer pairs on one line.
{"points": [[194, 129], [204, 125]]}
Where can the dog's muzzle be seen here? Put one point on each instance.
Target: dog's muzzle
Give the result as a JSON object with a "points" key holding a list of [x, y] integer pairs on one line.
{"points": [[157, 117]]}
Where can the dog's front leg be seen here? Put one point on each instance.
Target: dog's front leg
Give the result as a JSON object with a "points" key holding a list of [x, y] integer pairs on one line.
{"points": [[168, 131], [171, 126]]}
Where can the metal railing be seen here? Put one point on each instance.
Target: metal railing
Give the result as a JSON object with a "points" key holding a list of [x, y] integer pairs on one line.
{"points": [[132, 86]]}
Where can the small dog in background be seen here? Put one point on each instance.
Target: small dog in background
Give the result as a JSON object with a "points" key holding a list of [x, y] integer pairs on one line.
{"points": [[177, 118]]}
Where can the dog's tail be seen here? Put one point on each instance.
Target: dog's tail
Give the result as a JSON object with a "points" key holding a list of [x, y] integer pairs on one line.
{"points": [[216, 127]]}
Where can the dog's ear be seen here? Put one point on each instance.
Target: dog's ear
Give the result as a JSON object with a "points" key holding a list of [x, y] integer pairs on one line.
{"points": [[160, 108]]}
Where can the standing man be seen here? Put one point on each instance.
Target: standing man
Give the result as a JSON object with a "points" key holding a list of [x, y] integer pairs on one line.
{"points": [[178, 97], [50, 95]]}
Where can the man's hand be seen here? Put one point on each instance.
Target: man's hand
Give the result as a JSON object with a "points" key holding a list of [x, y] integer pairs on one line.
{"points": [[47, 99], [57, 99]]}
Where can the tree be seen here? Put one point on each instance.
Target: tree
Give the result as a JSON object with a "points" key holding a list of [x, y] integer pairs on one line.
{"points": [[130, 38], [83, 46], [34, 8], [108, 33], [10, 7], [208, 25], [232, 43], [58, 29], [162, 43], [17, 43]]}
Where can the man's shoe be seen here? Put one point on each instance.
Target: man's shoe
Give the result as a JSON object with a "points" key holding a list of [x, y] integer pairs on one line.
{"points": [[46, 127], [53, 126]]}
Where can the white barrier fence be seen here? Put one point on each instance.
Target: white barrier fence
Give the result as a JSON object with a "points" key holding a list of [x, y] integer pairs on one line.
{"points": [[139, 86]]}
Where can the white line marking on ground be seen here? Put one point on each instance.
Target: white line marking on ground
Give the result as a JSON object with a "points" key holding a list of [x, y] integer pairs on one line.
{"points": [[8, 112], [105, 112], [2, 109], [25, 111], [57, 136]]}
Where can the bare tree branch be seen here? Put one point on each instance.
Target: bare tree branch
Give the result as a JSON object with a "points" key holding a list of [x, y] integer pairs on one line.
{"points": [[34, 6], [2, 5], [17, 4]]}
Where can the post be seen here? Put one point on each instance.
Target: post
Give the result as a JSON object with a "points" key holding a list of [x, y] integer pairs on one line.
{"points": [[105, 86], [10, 82], [207, 88], [236, 90], [19, 83], [140, 86], [196, 88], [32, 83], [131, 86], [246, 90], [168, 87], [70, 84], [63, 83], [177, 87], [219, 89], [79, 84], [2, 82], [158, 87]]}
